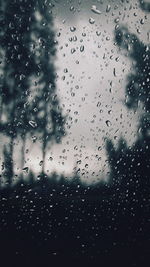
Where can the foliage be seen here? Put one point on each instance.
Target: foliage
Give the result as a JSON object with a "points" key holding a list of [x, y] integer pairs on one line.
{"points": [[28, 101]]}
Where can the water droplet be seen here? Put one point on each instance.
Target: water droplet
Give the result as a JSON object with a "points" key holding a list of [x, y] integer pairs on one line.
{"points": [[73, 50], [3, 166], [65, 70], [83, 34], [98, 33], [74, 38], [25, 169], [34, 138], [117, 59], [108, 123], [91, 21], [117, 26], [81, 48], [58, 34], [114, 72], [117, 20], [41, 163], [98, 104], [108, 8], [72, 8], [33, 124], [107, 38], [138, 31], [95, 10], [72, 29]]}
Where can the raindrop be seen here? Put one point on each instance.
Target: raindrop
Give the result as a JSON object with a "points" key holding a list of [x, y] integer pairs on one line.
{"points": [[128, 47], [58, 34], [95, 10], [73, 50], [41, 163], [117, 20], [91, 21], [107, 38], [72, 8], [74, 38], [98, 33], [138, 31], [108, 123], [33, 124], [81, 48], [65, 70], [108, 8], [117, 26], [98, 104], [3, 166], [34, 138], [114, 72], [25, 169], [72, 29]]}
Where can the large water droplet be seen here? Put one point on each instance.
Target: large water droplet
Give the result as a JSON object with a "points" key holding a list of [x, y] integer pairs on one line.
{"points": [[73, 50], [91, 21], [108, 8], [34, 138], [81, 48], [142, 21], [25, 169], [41, 163], [33, 124], [72, 29], [98, 33], [95, 10], [108, 123]]}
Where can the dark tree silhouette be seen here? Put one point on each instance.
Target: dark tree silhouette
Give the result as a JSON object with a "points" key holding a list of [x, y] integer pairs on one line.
{"points": [[116, 157], [130, 165], [27, 49], [18, 64]]}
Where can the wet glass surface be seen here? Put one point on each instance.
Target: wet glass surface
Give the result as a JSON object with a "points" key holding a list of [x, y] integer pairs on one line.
{"points": [[74, 132]]}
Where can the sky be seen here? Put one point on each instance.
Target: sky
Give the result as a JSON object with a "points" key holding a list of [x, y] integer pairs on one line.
{"points": [[92, 75]]}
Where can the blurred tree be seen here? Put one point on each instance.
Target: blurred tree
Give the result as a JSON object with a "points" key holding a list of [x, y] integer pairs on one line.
{"points": [[17, 65], [28, 50], [45, 105], [131, 164], [116, 159]]}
